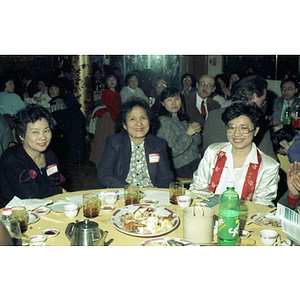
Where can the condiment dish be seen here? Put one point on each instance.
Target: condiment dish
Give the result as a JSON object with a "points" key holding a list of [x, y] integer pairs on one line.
{"points": [[42, 211], [51, 232], [37, 238]]}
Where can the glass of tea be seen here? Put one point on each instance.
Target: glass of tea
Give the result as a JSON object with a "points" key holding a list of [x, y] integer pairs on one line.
{"points": [[20, 214], [176, 189], [90, 205], [131, 194]]}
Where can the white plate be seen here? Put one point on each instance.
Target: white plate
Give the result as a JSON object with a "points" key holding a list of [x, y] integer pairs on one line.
{"points": [[286, 242], [108, 207], [270, 216], [32, 217], [160, 211], [206, 193], [58, 206], [162, 241]]}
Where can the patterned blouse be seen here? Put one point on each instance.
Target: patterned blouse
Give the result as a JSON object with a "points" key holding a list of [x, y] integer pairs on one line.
{"points": [[138, 171]]}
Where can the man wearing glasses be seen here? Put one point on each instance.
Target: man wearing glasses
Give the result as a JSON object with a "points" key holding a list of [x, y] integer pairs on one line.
{"points": [[200, 103], [289, 90]]}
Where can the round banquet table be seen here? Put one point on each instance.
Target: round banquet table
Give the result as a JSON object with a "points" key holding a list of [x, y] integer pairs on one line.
{"points": [[118, 238]]}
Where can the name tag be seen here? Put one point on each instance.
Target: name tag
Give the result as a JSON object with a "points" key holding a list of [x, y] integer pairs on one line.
{"points": [[52, 169], [154, 158]]}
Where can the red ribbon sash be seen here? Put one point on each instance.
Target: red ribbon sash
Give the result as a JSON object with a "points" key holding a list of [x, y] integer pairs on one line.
{"points": [[250, 179]]}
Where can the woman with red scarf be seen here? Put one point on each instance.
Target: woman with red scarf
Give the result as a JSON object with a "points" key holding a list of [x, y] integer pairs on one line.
{"points": [[105, 115], [255, 174]]}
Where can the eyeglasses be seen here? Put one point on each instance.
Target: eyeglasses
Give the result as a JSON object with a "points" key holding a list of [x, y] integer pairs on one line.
{"points": [[203, 84], [243, 129], [163, 85], [287, 89], [185, 79]]}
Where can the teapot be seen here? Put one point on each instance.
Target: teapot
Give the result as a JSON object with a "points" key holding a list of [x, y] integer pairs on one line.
{"points": [[85, 233]]}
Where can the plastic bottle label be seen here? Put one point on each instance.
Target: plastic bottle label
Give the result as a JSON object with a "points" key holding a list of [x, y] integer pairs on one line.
{"points": [[228, 225]]}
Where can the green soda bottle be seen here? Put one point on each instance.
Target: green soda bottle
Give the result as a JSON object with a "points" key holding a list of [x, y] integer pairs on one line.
{"points": [[286, 120], [229, 217]]}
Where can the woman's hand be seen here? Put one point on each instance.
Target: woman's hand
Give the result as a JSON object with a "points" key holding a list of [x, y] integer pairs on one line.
{"points": [[193, 128], [277, 122], [293, 180], [38, 99]]}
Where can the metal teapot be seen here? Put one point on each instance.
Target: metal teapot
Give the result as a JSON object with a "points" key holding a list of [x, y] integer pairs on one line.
{"points": [[85, 233]]}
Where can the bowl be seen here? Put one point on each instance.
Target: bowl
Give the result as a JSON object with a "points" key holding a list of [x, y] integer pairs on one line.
{"points": [[42, 211], [39, 244], [71, 210], [51, 232], [37, 238], [110, 198], [268, 237], [184, 201]]}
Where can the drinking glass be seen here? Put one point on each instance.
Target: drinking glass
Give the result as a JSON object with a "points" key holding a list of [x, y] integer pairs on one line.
{"points": [[175, 189], [20, 214], [131, 194], [90, 205]]}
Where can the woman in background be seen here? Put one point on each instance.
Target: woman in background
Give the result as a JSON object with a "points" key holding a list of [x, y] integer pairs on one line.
{"points": [[183, 139]]}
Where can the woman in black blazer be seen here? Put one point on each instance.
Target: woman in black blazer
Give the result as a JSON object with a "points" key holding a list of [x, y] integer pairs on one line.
{"points": [[134, 156]]}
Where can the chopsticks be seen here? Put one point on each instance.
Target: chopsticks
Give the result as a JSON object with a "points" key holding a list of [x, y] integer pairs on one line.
{"points": [[198, 195], [53, 220], [261, 215], [278, 240]]}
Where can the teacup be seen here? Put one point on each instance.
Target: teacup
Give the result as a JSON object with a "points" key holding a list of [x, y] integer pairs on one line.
{"points": [[184, 201], [110, 198], [268, 237], [71, 210]]}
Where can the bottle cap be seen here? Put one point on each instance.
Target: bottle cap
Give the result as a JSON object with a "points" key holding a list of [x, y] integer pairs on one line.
{"points": [[230, 184], [6, 211]]}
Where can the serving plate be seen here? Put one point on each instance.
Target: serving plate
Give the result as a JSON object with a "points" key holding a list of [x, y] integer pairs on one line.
{"points": [[162, 241], [286, 242], [160, 211], [267, 218], [32, 217], [58, 206]]}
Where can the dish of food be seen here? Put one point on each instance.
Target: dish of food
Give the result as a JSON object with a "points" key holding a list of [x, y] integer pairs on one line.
{"points": [[150, 201], [205, 193], [144, 220], [108, 207], [162, 241], [51, 232], [286, 242], [32, 217], [58, 206], [42, 211], [270, 220]]}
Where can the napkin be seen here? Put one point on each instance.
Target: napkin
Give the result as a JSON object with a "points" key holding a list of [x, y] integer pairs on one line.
{"points": [[30, 204], [162, 196]]}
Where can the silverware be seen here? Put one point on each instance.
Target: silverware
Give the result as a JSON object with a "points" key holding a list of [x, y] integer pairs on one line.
{"points": [[177, 243]]}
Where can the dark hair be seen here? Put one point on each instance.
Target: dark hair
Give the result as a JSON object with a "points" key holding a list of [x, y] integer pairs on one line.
{"points": [[129, 75], [4, 79], [109, 74], [192, 77], [242, 109], [248, 86], [292, 79], [288, 133], [57, 73], [224, 78], [59, 84], [46, 79], [126, 107], [172, 92], [30, 114]]}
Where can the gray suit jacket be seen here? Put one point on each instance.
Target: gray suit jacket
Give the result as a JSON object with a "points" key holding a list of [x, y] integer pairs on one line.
{"points": [[277, 107]]}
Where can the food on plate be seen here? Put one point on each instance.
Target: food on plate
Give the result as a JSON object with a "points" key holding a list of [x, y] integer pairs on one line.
{"points": [[155, 243], [144, 220], [268, 221]]}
